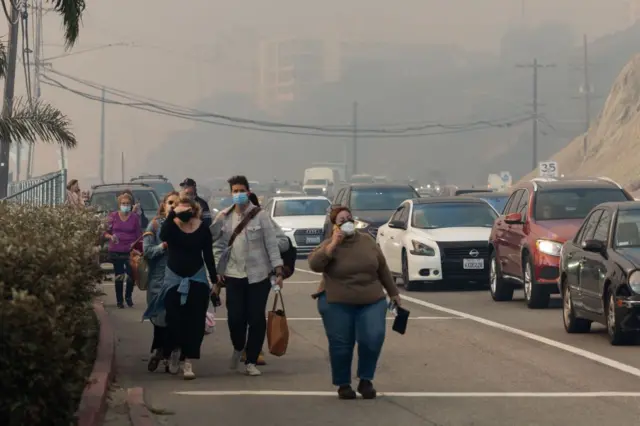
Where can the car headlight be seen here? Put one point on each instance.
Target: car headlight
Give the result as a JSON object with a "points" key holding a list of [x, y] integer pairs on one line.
{"points": [[324, 189], [421, 249], [634, 281], [287, 229], [551, 248], [360, 224]]}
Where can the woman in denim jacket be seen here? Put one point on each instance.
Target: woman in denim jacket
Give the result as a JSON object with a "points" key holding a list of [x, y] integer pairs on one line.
{"points": [[155, 252]]}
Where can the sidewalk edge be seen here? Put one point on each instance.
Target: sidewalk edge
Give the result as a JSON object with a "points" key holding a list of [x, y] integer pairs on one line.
{"points": [[93, 404], [139, 414]]}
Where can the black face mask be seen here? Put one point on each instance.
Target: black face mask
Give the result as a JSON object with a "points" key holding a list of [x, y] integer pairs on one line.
{"points": [[185, 216]]}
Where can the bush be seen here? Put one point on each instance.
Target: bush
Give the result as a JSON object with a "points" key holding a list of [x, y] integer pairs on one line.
{"points": [[48, 277]]}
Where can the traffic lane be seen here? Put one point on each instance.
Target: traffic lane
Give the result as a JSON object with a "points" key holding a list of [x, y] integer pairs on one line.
{"points": [[542, 322], [454, 355]]}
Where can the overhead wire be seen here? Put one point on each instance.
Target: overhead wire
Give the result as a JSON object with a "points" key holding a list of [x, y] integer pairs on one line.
{"points": [[191, 112]]}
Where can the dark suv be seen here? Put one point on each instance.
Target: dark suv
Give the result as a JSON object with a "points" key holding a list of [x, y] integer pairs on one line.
{"points": [[159, 183], [538, 218], [371, 204]]}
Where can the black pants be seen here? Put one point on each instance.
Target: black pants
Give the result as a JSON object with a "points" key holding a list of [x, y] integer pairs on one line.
{"points": [[246, 306], [160, 340], [121, 268], [185, 323]]}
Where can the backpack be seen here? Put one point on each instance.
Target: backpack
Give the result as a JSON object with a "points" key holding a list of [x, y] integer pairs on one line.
{"points": [[289, 260]]}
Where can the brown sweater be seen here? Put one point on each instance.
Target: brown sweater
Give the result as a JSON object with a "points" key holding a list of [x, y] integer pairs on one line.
{"points": [[356, 273]]}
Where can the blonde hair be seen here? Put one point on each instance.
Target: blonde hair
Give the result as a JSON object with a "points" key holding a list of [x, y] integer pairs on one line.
{"points": [[161, 210], [197, 211], [124, 196]]}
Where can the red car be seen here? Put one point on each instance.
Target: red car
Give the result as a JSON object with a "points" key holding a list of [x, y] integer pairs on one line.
{"points": [[526, 239]]}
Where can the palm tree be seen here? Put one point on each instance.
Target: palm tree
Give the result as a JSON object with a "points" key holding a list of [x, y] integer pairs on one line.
{"points": [[38, 120]]}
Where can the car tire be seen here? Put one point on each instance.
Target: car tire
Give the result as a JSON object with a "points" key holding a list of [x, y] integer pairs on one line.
{"points": [[500, 289], [408, 285], [617, 337], [535, 295], [572, 323]]}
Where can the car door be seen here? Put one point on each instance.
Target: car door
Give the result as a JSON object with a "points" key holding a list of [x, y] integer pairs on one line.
{"points": [[594, 267], [509, 245], [517, 233], [573, 258], [392, 245]]}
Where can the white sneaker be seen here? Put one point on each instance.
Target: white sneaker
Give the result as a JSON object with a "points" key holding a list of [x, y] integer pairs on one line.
{"points": [[174, 362], [252, 370], [235, 360], [187, 371]]}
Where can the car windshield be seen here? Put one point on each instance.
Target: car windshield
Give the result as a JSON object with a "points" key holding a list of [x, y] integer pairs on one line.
{"points": [[627, 234], [108, 201], [301, 208], [380, 198], [573, 203], [162, 188], [317, 181], [452, 215], [497, 203]]}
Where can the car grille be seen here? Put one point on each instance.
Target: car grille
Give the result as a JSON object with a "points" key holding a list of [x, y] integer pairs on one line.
{"points": [[301, 235], [373, 231], [452, 255], [314, 191]]}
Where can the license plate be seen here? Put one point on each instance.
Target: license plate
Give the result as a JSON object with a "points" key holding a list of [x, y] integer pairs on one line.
{"points": [[473, 263], [313, 240]]}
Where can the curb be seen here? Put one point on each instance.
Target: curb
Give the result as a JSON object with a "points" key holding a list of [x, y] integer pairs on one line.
{"points": [[139, 414], [93, 404]]}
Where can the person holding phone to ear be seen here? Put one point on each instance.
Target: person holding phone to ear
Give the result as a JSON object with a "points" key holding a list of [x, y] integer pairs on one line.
{"points": [[352, 301]]}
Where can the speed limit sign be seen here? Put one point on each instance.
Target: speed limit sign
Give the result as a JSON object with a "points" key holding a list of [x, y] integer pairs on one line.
{"points": [[548, 169]]}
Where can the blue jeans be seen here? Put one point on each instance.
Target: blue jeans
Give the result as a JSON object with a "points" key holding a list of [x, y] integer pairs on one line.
{"points": [[121, 267], [347, 325]]}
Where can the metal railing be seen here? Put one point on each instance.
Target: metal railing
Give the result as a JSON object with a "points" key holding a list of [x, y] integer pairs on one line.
{"points": [[45, 190]]}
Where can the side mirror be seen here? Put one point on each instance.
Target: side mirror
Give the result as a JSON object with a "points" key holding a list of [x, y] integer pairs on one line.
{"points": [[513, 218], [595, 246], [397, 224]]}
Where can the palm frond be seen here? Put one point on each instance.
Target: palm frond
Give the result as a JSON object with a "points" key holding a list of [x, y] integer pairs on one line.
{"points": [[40, 121], [3, 61], [71, 11]]}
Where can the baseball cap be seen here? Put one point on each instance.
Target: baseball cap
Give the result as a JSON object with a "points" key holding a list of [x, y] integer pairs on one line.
{"points": [[188, 182]]}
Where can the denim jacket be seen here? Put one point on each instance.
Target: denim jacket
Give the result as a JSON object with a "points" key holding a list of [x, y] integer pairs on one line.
{"points": [[156, 257]]}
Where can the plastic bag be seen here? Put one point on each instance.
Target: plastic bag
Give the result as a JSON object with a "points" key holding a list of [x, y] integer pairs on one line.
{"points": [[209, 323]]}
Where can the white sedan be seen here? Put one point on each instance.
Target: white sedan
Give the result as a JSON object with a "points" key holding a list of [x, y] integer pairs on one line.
{"points": [[301, 219], [438, 239]]}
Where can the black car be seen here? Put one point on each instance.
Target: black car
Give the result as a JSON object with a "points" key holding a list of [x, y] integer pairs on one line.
{"points": [[600, 273], [371, 204], [159, 183], [497, 200]]}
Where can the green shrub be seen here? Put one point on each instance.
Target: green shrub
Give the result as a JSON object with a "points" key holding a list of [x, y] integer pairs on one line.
{"points": [[48, 277]]}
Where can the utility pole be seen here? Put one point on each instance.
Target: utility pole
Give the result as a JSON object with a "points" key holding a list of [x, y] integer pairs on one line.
{"points": [[354, 143], [102, 140], [535, 65], [35, 85], [9, 86]]}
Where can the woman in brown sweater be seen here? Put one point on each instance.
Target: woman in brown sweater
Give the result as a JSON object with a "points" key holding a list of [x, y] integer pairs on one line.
{"points": [[352, 301]]}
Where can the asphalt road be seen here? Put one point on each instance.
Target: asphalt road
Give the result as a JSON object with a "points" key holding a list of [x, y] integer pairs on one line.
{"points": [[464, 361]]}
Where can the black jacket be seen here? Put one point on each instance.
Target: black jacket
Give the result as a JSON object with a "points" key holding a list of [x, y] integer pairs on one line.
{"points": [[206, 212]]}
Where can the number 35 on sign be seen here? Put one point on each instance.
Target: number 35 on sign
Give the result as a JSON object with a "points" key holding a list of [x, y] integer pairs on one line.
{"points": [[548, 169]]}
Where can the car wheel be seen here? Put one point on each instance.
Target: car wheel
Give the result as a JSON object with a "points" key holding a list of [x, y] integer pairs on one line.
{"points": [[501, 290], [536, 296], [572, 323], [408, 285], [617, 336]]}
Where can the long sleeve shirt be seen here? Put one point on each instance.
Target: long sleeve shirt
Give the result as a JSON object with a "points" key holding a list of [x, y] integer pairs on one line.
{"points": [[127, 231]]}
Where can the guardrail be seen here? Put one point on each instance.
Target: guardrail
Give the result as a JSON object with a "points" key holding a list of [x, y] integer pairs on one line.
{"points": [[46, 190]]}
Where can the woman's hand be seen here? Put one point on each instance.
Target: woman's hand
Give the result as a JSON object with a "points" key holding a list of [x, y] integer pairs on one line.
{"points": [[164, 245], [336, 239], [396, 299], [220, 280], [181, 208]]}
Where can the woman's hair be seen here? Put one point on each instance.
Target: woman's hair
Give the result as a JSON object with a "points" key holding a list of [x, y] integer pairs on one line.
{"points": [[125, 196], [161, 209], [71, 183], [197, 211], [254, 199], [336, 211]]}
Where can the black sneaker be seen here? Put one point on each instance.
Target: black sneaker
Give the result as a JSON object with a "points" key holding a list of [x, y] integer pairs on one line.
{"points": [[129, 302], [366, 389], [346, 392], [120, 305]]}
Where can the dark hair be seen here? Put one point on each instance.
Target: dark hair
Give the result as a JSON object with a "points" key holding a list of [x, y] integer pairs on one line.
{"points": [[238, 180], [71, 183], [336, 211], [254, 199]]}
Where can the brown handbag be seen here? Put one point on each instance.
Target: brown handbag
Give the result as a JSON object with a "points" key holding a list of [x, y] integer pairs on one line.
{"points": [[277, 328]]}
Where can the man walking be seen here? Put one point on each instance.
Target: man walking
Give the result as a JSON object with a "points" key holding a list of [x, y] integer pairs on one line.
{"points": [[190, 189]]}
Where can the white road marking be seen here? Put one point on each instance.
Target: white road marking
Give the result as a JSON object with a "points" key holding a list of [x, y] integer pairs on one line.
{"points": [[388, 318], [625, 368], [423, 394]]}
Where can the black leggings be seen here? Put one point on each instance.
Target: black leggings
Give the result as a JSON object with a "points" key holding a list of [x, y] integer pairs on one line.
{"points": [[186, 323], [246, 306]]}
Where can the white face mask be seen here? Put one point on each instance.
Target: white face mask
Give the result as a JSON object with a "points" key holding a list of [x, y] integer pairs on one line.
{"points": [[348, 228]]}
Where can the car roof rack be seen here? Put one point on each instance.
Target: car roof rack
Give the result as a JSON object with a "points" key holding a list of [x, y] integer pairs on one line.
{"points": [[608, 179], [149, 177], [102, 185]]}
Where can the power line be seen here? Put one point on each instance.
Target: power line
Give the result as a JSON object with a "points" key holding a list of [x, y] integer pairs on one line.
{"points": [[145, 106]]}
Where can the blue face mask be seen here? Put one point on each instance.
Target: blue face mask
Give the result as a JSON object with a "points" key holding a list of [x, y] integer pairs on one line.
{"points": [[125, 209], [241, 198]]}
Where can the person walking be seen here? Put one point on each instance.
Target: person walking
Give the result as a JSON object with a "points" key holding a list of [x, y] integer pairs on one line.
{"points": [[137, 209], [123, 232], [155, 250], [185, 292], [190, 189], [246, 263], [74, 195], [352, 301]]}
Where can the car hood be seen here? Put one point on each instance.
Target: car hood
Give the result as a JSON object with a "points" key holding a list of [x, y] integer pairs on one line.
{"points": [[299, 222], [632, 254], [455, 234], [373, 217], [558, 230]]}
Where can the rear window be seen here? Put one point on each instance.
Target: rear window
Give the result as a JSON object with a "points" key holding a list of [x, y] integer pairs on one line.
{"points": [[380, 198], [573, 203], [108, 201]]}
